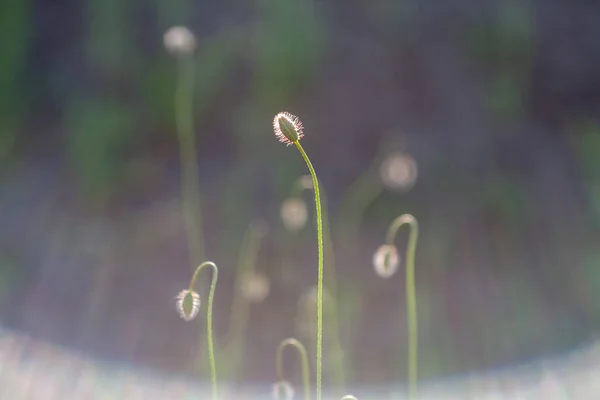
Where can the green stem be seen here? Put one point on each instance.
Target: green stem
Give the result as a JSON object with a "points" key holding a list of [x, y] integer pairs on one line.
{"points": [[190, 190], [303, 359], [320, 274], [211, 296], [411, 300], [331, 278], [330, 281]]}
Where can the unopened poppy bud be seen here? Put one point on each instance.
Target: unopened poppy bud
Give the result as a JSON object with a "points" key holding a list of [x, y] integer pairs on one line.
{"points": [[399, 171], [386, 261], [179, 40], [188, 304], [283, 390], [287, 127]]}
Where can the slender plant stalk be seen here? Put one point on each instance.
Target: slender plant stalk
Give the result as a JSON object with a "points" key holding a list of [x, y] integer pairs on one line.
{"points": [[320, 274], [288, 129], [411, 300], [211, 296], [303, 360], [330, 282], [190, 190]]}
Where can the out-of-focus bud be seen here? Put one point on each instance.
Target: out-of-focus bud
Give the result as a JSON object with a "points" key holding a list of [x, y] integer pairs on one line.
{"points": [[386, 261]]}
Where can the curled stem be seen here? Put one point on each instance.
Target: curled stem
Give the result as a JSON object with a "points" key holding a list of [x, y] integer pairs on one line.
{"points": [[411, 301], [303, 359], [320, 272], [211, 296], [190, 190]]}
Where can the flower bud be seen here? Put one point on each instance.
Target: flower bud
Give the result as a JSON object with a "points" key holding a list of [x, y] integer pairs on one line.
{"points": [[188, 304], [399, 171], [386, 261], [179, 40], [287, 127], [283, 390]]}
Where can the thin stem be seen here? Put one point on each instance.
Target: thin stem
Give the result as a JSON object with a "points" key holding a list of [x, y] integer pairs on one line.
{"points": [[330, 281], [211, 296], [320, 274], [190, 190], [303, 360], [411, 300]]}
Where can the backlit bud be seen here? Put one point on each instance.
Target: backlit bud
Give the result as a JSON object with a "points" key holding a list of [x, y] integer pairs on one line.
{"points": [[386, 261], [287, 127], [188, 304]]}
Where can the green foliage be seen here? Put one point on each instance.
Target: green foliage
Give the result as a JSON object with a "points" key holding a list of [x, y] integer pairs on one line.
{"points": [[98, 132], [14, 42], [289, 47]]}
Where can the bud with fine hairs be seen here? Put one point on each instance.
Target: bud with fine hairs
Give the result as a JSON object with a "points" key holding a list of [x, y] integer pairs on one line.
{"points": [[386, 260], [288, 128], [179, 40], [188, 304]]}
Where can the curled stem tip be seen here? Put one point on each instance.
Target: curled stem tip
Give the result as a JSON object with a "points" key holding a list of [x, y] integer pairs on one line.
{"points": [[411, 301], [211, 295], [303, 360]]}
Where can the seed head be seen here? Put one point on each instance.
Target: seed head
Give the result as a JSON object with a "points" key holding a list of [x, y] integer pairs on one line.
{"points": [[294, 213], [188, 304], [386, 261], [283, 390], [179, 40], [288, 128]]}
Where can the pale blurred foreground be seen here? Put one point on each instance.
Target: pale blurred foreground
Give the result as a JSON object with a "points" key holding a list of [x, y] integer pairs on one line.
{"points": [[35, 370]]}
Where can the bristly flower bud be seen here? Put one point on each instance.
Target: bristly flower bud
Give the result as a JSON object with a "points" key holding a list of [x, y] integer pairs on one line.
{"points": [[179, 40], [288, 128], [386, 261], [283, 390], [188, 304]]}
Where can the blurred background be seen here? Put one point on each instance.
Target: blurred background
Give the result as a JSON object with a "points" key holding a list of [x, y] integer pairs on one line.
{"points": [[480, 118]]}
